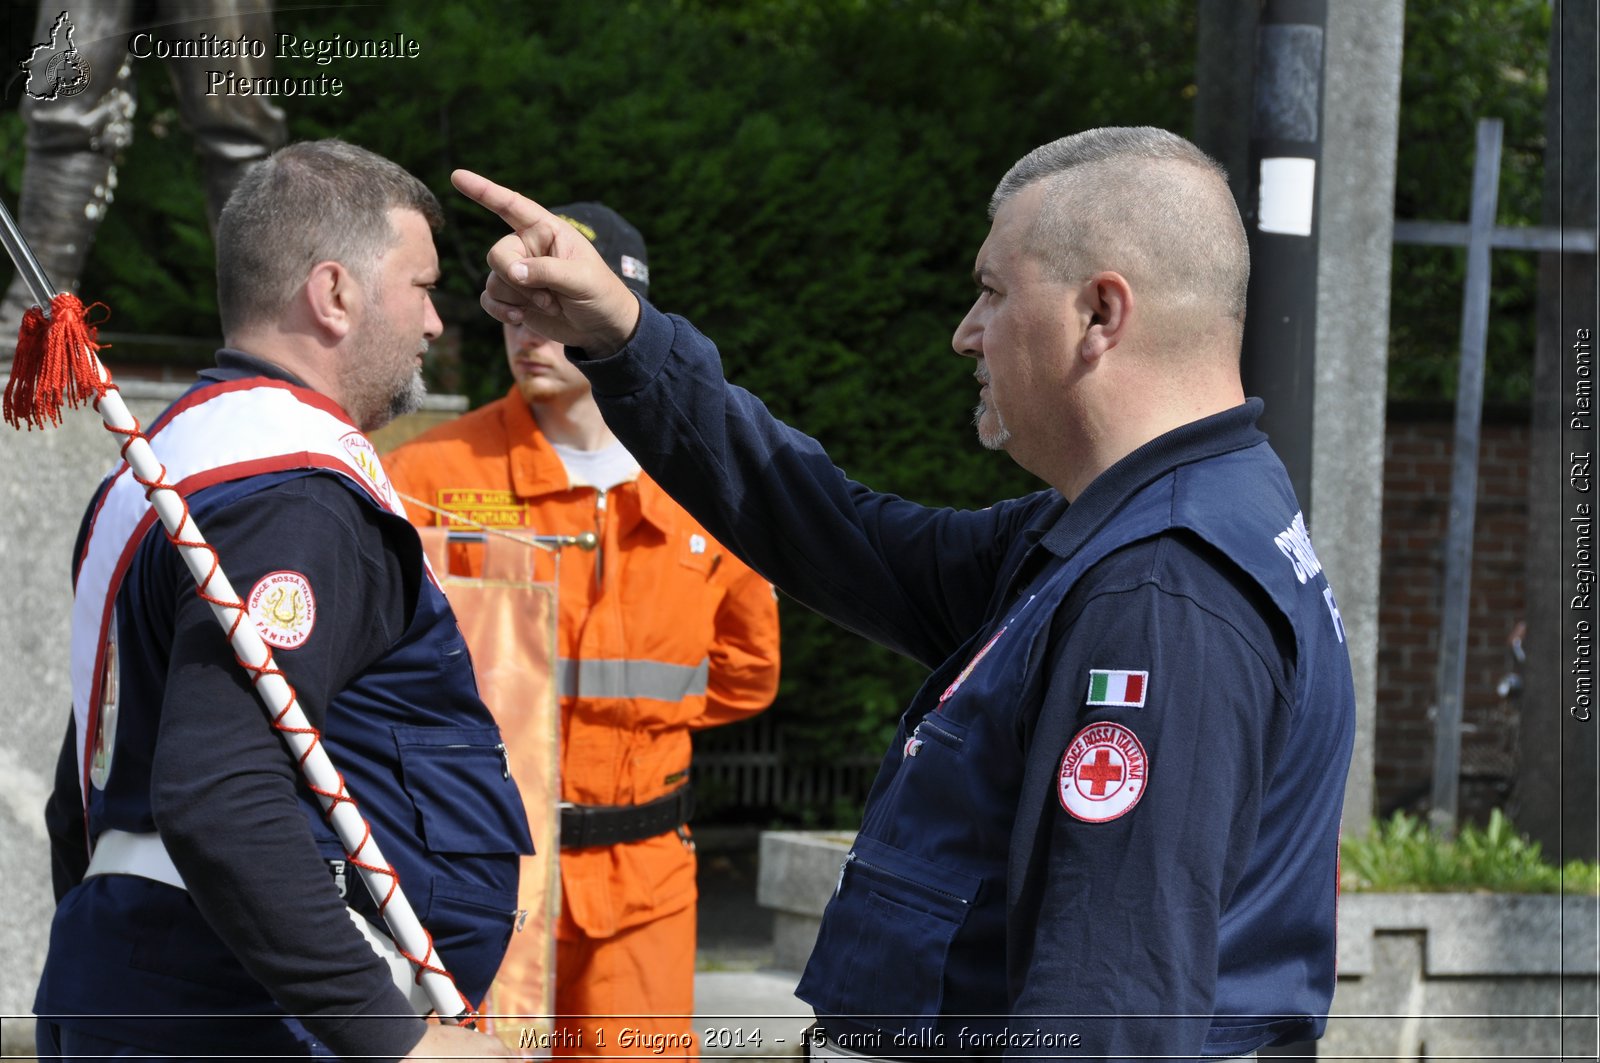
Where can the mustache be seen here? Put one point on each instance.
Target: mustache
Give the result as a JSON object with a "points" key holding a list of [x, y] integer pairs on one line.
{"points": [[981, 373]]}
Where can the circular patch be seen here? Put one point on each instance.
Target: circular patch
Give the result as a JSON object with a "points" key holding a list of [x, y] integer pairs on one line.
{"points": [[283, 609], [1103, 773]]}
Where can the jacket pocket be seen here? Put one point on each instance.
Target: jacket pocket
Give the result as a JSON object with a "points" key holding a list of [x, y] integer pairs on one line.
{"points": [[886, 938], [471, 928], [459, 781]]}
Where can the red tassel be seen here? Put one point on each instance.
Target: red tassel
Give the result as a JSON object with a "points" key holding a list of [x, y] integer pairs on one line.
{"points": [[55, 364]]}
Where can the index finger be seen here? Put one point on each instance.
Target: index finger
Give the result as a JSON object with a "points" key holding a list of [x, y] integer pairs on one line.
{"points": [[515, 209]]}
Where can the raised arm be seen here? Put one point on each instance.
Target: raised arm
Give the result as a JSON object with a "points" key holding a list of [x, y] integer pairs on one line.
{"points": [[916, 579]]}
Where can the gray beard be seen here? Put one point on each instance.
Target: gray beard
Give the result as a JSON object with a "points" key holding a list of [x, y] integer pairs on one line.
{"points": [[995, 440], [408, 399]]}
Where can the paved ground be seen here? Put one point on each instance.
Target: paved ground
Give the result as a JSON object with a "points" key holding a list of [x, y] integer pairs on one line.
{"points": [[739, 998]]}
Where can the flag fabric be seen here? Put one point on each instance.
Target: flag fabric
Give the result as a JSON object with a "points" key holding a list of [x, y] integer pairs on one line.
{"points": [[1117, 688]]}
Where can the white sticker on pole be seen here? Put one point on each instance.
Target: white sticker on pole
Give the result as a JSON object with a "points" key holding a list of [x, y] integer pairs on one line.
{"points": [[1288, 195]]}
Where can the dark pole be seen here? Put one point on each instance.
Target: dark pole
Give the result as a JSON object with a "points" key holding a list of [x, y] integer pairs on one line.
{"points": [[1279, 359], [1225, 64], [1556, 799]]}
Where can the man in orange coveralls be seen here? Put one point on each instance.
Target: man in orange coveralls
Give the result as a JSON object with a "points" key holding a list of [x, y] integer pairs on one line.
{"points": [[661, 632]]}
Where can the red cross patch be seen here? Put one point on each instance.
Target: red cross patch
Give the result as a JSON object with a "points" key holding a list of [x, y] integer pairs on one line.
{"points": [[1103, 773]]}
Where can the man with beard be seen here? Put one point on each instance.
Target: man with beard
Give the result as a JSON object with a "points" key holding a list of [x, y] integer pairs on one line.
{"points": [[205, 905]]}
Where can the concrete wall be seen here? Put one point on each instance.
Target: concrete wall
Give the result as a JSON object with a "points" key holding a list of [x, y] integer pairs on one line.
{"points": [[1465, 976], [796, 877], [1360, 130]]}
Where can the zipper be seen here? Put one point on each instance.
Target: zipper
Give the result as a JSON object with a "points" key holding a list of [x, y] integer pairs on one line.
{"points": [[600, 539], [923, 886], [500, 748], [851, 855], [915, 743]]}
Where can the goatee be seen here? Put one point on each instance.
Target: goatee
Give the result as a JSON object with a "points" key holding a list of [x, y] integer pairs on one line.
{"points": [[408, 399]]}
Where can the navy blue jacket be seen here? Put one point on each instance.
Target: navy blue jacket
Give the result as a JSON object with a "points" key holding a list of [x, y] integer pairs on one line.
{"points": [[262, 931], [1041, 868]]}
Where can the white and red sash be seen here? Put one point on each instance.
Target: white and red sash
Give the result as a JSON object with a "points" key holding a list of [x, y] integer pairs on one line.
{"points": [[213, 435]]}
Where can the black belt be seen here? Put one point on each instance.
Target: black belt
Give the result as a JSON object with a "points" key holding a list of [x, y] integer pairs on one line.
{"points": [[586, 826]]}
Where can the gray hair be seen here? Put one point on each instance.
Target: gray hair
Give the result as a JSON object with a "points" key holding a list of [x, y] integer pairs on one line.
{"points": [[315, 201], [1143, 202]]}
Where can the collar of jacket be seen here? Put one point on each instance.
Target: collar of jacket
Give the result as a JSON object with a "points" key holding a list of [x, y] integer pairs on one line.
{"points": [[537, 470], [1221, 433], [234, 364], [1060, 528]]}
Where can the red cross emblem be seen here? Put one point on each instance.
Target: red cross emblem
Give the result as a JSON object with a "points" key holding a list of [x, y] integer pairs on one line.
{"points": [[1100, 772], [1103, 773]]}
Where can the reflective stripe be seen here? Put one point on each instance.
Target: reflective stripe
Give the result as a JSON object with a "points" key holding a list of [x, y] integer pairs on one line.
{"points": [[119, 852], [626, 678]]}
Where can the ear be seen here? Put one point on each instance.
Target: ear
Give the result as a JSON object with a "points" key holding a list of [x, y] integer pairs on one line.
{"points": [[332, 296], [1109, 300]]}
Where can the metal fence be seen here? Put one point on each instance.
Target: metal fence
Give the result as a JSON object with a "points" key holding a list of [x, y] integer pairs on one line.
{"points": [[745, 765]]}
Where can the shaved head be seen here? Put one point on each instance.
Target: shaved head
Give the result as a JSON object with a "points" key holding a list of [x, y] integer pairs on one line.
{"points": [[1149, 205]]}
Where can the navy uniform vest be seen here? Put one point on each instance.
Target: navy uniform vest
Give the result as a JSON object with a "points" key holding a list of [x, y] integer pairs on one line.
{"points": [[419, 750], [918, 923]]}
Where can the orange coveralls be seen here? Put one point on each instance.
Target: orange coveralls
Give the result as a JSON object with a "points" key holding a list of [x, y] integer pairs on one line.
{"points": [[659, 591]]}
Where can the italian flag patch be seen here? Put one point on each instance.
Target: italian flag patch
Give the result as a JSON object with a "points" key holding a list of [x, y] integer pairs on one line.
{"points": [[1117, 688]]}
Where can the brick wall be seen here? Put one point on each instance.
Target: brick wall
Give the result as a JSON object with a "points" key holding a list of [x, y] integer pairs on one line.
{"points": [[1416, 498]]}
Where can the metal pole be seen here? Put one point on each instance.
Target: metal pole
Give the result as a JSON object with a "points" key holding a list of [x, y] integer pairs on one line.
{"points": [[1281, 217], [1464, 482], [23, 258]]}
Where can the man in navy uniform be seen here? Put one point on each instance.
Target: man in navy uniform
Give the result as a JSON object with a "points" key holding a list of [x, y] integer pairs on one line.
{"points": [[1109, 824], [205, 906]]}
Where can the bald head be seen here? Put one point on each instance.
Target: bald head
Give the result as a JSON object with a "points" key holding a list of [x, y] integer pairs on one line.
{"points": [[1149, 205]]}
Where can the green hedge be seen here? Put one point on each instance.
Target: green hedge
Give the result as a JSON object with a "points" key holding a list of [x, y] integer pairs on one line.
{"points": [[1405, 855]]}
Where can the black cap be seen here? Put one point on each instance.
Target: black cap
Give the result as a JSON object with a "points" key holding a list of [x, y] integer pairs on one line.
{"points": [[618, 242]]}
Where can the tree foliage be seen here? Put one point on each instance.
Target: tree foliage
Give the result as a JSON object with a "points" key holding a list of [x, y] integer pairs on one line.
{"points": [[1464, 61], [811, 178]]}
